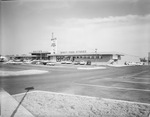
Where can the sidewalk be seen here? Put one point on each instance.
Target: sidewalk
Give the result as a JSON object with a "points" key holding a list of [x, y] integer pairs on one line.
{"points": [[11, 108]]}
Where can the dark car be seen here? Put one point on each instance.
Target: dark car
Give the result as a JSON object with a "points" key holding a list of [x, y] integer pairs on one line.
{"points": [[88, 63]]}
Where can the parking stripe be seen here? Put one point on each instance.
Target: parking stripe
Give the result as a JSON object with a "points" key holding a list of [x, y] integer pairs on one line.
{"points": [[119, 80], [140, 78], [132, 75], [133, 82], [112, 87]]}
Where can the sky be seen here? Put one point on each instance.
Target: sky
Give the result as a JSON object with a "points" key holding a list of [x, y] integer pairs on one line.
{"points": [[106, 25]]}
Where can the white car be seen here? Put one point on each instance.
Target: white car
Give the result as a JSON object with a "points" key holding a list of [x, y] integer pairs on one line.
{"points": [[50, 64], [131, 63], [27, 61], [14, 63], [39, 63], [139, 63], [63, 62], [76, 62], [82, 63], [68, 62]]}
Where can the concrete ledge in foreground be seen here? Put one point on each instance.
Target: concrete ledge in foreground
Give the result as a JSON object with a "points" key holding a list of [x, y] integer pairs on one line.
{"points": [[9, 107]]}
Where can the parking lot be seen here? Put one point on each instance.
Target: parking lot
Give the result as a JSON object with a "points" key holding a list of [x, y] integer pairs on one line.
{"points": [[131, 83]]}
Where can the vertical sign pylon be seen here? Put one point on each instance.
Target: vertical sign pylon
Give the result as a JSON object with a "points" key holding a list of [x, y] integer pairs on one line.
{"points": [[53, 45]]}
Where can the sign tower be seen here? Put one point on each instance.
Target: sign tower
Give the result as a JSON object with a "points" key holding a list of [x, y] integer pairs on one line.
{"points": [[53, 45]]}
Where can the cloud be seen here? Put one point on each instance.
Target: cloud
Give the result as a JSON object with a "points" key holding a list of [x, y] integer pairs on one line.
{"points": [[121, 33], [111, 19]]}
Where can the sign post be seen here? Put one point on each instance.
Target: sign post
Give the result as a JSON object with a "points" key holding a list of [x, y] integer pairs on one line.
{"points": [[53, 45]]}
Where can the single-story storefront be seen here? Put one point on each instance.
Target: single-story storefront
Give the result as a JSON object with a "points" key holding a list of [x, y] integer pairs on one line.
{"points": [[101, 58], [40, 55], [98, 58], [25, 57]]}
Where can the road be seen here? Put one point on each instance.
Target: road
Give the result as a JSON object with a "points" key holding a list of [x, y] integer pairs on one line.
{"points": [[130, 83]]}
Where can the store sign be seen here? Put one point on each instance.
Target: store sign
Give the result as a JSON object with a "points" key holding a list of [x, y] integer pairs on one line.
{"points": [[73, 52], [53, 41], [82, 51], [53, 45], [39, 51]]}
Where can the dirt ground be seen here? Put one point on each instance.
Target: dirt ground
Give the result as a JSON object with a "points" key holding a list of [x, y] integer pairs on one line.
{"points": [[49, 104]]}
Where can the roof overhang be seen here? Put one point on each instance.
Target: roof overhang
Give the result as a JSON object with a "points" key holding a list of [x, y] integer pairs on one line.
{"points": [[82, 54]]}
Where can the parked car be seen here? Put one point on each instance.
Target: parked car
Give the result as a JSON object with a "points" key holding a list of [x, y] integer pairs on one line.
{"points": [[39, 63], [14, 63], [76, 63], [45, 62], [139, 63], [51, 64], [88, 63], [27, 61], [68, 62], [131, 63], [82, 63], [34, 61], [63, 62]]}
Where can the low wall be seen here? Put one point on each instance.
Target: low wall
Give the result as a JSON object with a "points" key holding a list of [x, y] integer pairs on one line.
{"points": [[48, 104]]}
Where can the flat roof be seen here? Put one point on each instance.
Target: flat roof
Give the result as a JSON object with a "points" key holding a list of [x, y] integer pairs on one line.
{"points": [[40, 52], [80, 54], [25, 56]]}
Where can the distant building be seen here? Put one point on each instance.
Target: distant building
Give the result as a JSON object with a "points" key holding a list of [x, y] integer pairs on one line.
{"points": [[98, 58]]}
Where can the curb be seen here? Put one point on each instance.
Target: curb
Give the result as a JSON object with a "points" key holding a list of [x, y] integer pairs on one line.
{"points": [[11, 108]]}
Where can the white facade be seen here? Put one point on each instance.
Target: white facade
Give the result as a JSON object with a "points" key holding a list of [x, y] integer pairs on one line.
{"points": [[128, 58]]}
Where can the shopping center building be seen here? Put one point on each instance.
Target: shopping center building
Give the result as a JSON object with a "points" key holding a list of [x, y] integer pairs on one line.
{"points": [[100, 58]]}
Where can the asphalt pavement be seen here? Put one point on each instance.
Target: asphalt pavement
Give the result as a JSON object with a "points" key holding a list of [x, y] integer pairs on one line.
{"points": [[130, 83]]}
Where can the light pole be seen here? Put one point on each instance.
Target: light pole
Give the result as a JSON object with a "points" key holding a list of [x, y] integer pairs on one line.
{"points": [[27, 90]]}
